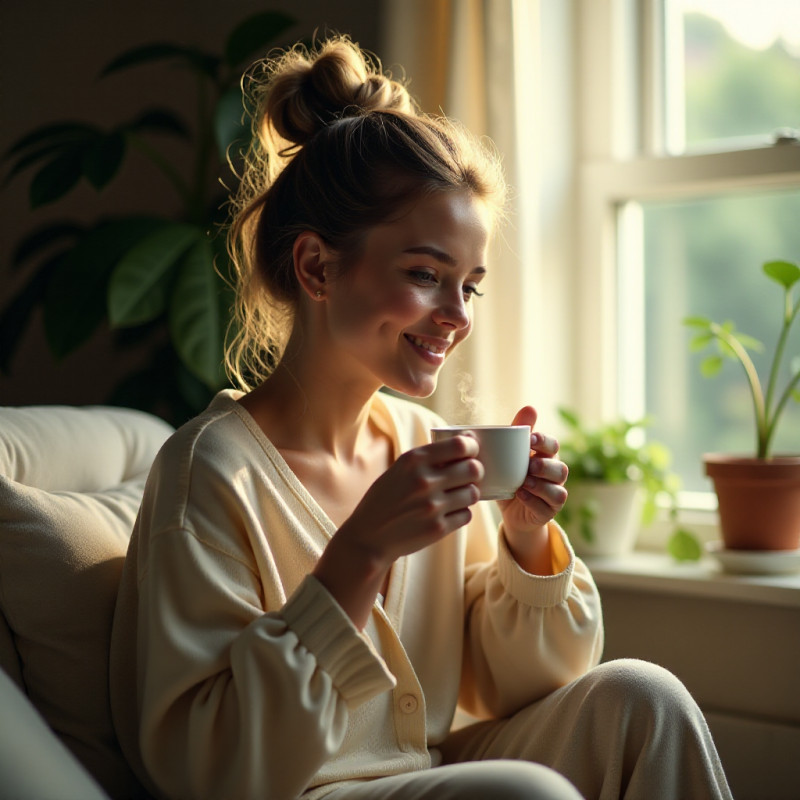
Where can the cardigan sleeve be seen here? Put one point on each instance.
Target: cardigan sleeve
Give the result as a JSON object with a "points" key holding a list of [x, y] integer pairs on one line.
{"points": [[235, 672], [231, 696], [525, 635]]}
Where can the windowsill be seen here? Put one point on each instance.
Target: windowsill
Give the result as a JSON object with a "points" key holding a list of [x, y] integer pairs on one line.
{"points": [[659, 572]]}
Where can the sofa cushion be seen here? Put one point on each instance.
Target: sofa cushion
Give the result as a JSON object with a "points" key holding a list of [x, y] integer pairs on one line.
{"points": [[71, 481], [65, 448], [33, 762]]}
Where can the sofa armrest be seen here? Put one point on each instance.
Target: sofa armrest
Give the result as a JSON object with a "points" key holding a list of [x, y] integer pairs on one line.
{"points": [[35, 765]]}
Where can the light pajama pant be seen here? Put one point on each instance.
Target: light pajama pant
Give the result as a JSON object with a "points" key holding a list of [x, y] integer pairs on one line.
{"points": [[628, 729]]}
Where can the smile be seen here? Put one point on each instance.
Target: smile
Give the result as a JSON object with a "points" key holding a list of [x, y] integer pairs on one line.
{"points": [[436, 349]]}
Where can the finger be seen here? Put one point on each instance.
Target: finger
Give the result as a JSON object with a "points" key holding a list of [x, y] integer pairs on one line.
{"points": [[454, 448], [461, 498], [465, 472], [459, 518], [544, 444], [526, 416], [548, 469], [536, 493]]}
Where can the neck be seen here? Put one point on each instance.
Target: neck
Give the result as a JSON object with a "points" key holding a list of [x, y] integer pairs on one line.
{"points": [[307, 404]]}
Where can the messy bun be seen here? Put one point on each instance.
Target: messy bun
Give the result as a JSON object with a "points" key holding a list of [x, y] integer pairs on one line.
{"points": [[337, 148], [310, 91], [302, 91]]}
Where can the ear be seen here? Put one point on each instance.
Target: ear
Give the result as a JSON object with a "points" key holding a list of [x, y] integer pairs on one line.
{"points": [[311, 257]]}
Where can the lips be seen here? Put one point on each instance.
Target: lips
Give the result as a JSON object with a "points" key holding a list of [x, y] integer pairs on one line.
{"points": [[436, 346]]}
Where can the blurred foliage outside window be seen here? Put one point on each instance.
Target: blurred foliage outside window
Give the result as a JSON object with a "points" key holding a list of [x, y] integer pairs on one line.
{"points": [[737, 71], [702, 255]]}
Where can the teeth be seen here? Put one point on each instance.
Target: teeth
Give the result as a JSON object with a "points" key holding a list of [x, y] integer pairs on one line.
{"points": [[426, 345]]}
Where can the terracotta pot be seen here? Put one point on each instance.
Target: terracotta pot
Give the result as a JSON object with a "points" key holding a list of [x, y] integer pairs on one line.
{"points": [[759, 500]]}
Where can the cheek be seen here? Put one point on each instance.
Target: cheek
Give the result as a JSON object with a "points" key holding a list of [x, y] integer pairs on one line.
{"points": [[400, 307]]}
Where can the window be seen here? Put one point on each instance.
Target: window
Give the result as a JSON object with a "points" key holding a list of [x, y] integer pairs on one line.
{"points": [[695, 183], [731, 73], [702, 257]]}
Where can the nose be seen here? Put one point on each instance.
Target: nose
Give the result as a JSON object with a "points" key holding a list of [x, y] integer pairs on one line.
{"points": [[452, 312]]}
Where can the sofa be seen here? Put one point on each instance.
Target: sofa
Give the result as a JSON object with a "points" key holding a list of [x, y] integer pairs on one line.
{"points": [[71, 480]]}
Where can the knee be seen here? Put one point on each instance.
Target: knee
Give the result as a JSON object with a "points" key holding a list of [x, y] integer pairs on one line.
{"points": [[509, 780], [639, 687]]}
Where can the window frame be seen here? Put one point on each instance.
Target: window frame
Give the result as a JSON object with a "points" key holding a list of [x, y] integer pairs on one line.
{"points": [[622, 157]]}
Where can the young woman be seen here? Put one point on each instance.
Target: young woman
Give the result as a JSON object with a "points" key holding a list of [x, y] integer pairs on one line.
{"points": [[312, 587]]}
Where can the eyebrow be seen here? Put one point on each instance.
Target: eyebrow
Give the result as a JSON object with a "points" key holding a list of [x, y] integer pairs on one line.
{"points": [[439, 255]]}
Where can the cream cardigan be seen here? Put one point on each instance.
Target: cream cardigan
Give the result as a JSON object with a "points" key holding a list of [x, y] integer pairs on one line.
{"points": [[235, 674]]}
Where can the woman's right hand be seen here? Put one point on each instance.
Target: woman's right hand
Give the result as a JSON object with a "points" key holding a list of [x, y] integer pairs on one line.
{"points": [[424, 496]]}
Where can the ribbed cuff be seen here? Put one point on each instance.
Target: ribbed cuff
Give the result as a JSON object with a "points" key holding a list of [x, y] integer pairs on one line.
{"points": [[542, 591], [347, 655]]}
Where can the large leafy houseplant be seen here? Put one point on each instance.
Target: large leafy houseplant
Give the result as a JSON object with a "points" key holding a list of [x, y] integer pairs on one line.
{"points": [[612, 463], [158, 281], [758, 495]]}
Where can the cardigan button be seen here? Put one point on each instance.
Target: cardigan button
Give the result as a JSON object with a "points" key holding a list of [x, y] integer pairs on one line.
{"points": [[408, 704]]}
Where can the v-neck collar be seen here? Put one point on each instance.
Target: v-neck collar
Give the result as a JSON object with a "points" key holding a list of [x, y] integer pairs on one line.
{"points": [[381, 415]]}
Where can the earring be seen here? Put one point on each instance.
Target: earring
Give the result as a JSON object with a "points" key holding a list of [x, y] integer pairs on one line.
{"points": [[318, 294]]}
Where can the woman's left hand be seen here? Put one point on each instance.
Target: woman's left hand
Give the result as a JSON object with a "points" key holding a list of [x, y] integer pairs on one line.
{"points": [[540, 497]]}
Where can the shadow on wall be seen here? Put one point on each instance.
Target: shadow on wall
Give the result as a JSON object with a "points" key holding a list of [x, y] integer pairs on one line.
{"points": [[73, 43]]}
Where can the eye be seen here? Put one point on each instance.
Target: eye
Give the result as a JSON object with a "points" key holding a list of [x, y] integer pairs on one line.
{"points": [[471, 291], [423, 276]]}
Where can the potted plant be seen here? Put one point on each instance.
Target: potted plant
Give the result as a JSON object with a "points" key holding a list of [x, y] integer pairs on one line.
{"points": [[615, 484], [758, 495], [159, 282]]}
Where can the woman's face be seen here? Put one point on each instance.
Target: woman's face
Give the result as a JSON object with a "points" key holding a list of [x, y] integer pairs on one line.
{"points": [[398, 312]]}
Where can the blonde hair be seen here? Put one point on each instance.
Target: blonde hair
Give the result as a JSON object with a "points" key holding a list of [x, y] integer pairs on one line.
{"points": [[337, 147]]}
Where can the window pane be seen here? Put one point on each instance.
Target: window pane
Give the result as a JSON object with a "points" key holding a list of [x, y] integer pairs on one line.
{"points": [[703, 257], [733, 71]]}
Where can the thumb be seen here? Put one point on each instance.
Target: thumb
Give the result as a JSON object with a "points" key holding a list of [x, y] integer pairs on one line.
{"points": [[526, 416]]}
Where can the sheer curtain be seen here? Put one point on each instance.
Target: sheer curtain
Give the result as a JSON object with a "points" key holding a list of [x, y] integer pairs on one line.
{"points": [[481, 61]]}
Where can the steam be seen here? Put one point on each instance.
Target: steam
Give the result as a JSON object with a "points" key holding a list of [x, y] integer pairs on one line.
{"points": [[469, 408]]}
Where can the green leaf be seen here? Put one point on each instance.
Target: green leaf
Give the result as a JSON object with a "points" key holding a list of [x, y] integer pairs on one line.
{"points": [[102, 159], [749, 342], [697, 322], [784, 272], [726, 350], [75, 302], [197, 60], [711, 366], [137, 292], [570, 417], [229, 126], [195, 314], [251, 36], [684, 546], [700, 342], [587, 515], [57, 177]]}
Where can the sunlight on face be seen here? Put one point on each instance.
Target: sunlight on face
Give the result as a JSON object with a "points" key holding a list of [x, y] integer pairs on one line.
{"points": [[397, 313]]}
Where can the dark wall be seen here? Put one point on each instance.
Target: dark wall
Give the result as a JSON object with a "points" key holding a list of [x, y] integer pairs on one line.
{"points": [[51, 52]]}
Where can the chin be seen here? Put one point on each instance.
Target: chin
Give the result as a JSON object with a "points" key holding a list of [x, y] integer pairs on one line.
{"points": [[413, 388]]}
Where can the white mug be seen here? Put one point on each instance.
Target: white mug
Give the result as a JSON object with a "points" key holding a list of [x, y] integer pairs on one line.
{"points": [[504, 451]]}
